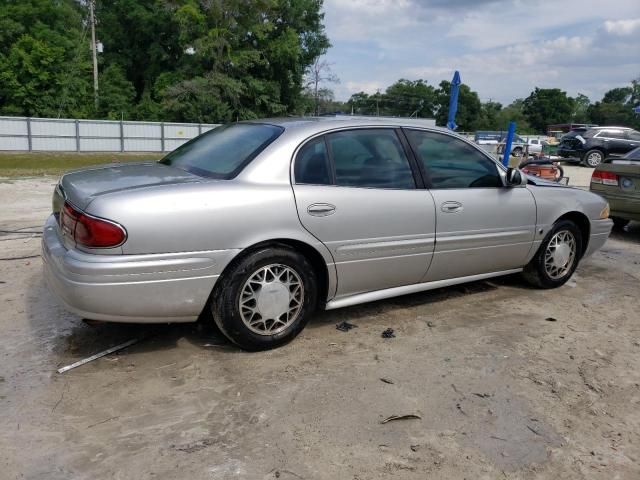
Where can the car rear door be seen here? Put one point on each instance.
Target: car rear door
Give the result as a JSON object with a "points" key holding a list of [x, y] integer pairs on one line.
{"points": [[482, 226], [359, 192], [615, 142]]}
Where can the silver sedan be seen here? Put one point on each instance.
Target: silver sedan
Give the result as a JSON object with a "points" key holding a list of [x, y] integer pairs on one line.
{"points": [[257, 224]]}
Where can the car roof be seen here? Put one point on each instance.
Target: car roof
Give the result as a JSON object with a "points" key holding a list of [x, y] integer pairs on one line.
{"points": [[320, 124], [610, 128]]}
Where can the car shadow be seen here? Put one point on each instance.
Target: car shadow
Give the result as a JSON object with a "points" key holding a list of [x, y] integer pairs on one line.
{"points": [[367, 310], [630, 233], [71, 338]]}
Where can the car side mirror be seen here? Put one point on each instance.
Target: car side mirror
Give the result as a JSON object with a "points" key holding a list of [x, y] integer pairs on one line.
{"points": [[515, 178]]}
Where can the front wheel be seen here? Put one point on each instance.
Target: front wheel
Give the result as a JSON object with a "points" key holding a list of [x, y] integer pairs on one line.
{"points": [[557, 257], [266, 299]]}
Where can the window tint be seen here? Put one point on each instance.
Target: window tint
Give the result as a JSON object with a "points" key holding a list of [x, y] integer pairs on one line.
{"points": [[451, 163], [311, 164], [611, 134], [224, 151], [633, 135], [370, 158]]}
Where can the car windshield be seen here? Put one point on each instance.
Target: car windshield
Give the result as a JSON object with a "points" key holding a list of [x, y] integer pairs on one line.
{"points": [[224, 151]]}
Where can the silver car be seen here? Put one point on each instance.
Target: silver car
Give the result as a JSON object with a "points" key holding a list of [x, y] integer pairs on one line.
{"points": [[257, 224]]}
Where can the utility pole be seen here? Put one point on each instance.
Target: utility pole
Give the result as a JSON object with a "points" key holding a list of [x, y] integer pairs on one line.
{"points": [[93, 51]]}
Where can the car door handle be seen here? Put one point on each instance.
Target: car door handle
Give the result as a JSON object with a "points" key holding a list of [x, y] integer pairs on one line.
{"points": [[451, 207], [321, 209]]}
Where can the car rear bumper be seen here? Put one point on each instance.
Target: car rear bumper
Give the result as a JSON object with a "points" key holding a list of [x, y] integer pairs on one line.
{"points": [[623, 205], [600, 231], [151, 288]]}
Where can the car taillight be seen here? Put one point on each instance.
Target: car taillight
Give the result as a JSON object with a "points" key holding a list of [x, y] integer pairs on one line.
{"points": [[606, 178], [91, 231]]}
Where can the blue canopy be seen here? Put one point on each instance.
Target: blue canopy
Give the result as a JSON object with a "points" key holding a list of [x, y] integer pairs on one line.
{"points": [[453, 101]]}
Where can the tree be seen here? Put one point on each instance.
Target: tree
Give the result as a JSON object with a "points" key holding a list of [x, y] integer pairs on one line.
{"points": [[616, 107], [44, 62], [547, 106], [406, 98], [581, 109], [318, 74]]}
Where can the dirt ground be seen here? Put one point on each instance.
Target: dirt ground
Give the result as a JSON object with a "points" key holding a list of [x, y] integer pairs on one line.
{"points": [[508, 382]]}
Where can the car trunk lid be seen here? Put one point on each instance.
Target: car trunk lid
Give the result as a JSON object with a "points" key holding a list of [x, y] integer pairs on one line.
{"points": [[82, 186]]}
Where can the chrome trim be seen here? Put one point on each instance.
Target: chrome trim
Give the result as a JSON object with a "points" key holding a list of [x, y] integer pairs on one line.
{"points": [[407, 289]]}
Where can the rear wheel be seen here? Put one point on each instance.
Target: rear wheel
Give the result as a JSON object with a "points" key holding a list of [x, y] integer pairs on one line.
{"points": [[266, 299], [557, 257], [593, 158]]}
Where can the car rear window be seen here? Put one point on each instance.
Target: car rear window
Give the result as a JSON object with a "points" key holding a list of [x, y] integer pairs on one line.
{"points": [[224, 151]]}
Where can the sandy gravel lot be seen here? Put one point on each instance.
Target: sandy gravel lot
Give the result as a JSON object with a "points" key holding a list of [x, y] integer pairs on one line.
{"points": [[501, 391]]}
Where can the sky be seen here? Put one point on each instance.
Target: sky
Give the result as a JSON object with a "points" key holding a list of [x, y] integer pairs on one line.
{"points": [[502, 48]]}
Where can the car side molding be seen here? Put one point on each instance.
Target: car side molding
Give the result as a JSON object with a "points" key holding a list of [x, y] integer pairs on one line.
{"points": [[407, 289]]}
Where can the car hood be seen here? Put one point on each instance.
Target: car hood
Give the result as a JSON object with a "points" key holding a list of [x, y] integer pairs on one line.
{"points": [[80, 187], [540, 182]]}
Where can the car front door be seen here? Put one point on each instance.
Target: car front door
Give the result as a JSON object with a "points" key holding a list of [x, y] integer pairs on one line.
{"points": [[359, 193], [482, 226]]}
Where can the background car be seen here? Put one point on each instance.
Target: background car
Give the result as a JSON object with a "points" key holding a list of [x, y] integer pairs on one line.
{"points": [[591, 146], [618, 181], [257, 224]]}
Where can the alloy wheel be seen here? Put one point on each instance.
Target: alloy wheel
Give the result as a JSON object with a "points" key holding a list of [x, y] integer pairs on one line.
{"points": [[594, 159]]}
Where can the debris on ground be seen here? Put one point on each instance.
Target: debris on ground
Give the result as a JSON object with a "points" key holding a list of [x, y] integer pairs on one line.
{"points": [[481, 395], [430, 324], [345, 326], [388, 333], [551, 319], [98, 355], [409, 416], [386, 380], [414, 448]]}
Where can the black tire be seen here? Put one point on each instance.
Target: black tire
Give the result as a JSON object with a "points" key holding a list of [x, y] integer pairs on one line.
{"points": [[619, 223], [225, 302], [536, 272], [593, 158]]}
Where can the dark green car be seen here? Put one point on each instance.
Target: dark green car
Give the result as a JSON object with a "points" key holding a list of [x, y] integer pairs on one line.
{"points": [[618, 181]]}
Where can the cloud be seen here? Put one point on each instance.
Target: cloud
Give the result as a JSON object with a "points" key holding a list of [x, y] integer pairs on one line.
{"points": [[622, 27], [503, 48]]}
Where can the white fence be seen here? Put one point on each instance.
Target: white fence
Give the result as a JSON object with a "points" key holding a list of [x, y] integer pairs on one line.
{"points": [[70, 135]]}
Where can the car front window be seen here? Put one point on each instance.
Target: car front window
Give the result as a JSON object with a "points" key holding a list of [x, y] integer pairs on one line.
{"points": [[224, 151], [451, 163]]}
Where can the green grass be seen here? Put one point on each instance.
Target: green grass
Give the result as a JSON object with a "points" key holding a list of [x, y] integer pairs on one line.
{"points": [[48, 163]]}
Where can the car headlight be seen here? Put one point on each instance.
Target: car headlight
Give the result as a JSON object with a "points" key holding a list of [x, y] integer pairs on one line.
{"points": [[605, 211]]}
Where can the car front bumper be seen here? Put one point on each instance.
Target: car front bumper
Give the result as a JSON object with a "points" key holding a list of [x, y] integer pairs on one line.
{"points": [[150, 288], [600, 231]]}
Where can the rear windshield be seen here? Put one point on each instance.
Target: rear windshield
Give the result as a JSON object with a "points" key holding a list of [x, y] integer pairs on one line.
{"points": [[224, 151]]}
